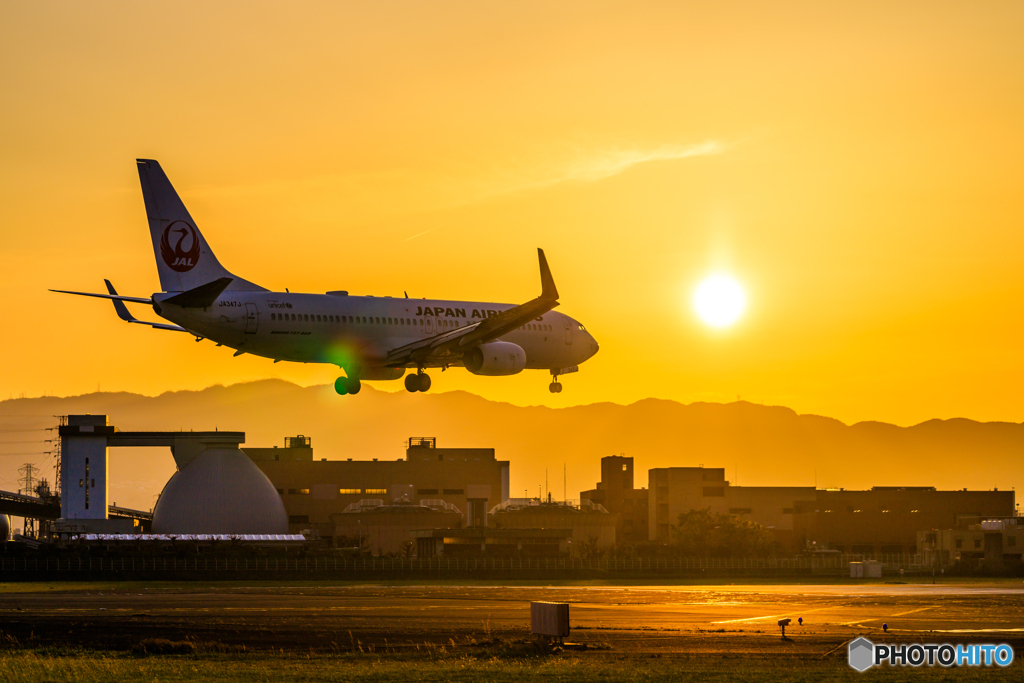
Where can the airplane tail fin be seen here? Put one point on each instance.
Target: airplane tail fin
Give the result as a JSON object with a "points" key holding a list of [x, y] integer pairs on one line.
{"points": [[184, 259]]}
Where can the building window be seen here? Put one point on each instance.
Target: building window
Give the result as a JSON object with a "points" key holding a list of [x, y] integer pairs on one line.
{"points": [[349, 492], [977, 543], [380, 492], [959, 543], [426, 492], [741, 511], [298, 492], [714, 492], [454, 492], [298, 519], [625, 467], [787, 511]]}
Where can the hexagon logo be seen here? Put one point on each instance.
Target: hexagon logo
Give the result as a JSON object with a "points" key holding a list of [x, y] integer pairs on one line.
{"points": [[862, 654]]}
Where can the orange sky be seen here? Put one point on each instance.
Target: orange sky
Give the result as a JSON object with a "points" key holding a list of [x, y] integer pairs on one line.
{"points": [[857, 166]]}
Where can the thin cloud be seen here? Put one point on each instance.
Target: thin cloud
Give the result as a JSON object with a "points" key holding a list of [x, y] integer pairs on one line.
{"points": [[614, 162], [420, 234]]}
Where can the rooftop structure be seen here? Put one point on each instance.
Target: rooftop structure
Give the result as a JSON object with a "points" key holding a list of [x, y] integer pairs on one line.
{"points": [[315, 490]]}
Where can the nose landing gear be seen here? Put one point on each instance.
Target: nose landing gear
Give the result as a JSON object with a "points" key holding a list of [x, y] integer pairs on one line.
{"points": [[347, 385], [418, 382]]}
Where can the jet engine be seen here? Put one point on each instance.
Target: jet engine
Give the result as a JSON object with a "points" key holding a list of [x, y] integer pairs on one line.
{"points": [[495, 358]]}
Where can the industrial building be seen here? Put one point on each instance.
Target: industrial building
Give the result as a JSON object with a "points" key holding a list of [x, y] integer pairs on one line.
{"points": [[887, 519], [975, 541], [616, 494], [592, 527], [387, 529], [882, 520], [676, 490], [317, 493]]}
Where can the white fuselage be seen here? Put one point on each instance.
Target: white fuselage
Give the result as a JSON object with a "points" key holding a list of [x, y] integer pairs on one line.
{"points": [[358, 331]]}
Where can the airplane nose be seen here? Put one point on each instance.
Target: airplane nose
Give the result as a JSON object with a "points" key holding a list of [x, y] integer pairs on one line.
{"points": [[594, 346]]}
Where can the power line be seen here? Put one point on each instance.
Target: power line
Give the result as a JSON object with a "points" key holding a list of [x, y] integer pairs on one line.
{"points": [[8, 431]]}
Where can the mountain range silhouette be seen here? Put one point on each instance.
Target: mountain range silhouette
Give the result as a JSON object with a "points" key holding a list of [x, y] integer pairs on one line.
{"points": [[757, 445]]}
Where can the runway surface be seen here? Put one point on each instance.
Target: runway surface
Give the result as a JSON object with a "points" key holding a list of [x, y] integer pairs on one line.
{"points": [[725, 619]]}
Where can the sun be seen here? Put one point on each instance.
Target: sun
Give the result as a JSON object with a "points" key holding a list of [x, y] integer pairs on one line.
{"points": [[719, 300]]}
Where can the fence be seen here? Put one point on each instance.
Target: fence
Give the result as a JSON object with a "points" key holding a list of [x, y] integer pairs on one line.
{"points": [[341, 567]]}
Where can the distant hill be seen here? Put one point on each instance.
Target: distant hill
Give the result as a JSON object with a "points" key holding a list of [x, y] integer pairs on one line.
{"points": [[768, 445]]}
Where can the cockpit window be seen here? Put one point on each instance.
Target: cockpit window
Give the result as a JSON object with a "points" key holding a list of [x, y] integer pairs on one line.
{"points": [[583, 328]]}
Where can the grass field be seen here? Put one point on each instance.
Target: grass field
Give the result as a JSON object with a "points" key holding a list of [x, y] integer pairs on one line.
{"points": [[91, 667]]}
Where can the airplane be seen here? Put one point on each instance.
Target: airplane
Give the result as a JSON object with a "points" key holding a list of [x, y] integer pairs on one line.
{"points": [[370, 338]]}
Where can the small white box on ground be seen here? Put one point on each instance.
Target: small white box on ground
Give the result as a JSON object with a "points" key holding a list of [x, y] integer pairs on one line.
{"points": [[856, 570], [873, 570], [549, 619]]}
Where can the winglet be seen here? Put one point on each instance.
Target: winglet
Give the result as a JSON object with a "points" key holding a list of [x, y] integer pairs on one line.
{"points": [[119, 307], [548, 290]]}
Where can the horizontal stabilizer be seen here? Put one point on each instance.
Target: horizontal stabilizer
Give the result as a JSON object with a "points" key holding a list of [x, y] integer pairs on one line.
{"points": [[115, 297], [123, 314], [202, 296]]}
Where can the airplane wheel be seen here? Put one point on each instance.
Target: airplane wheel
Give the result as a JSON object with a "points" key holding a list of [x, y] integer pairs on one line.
{"points": [[558, 387], [341, 385], [412, 383], [424, 381], [554, 387], [354, 386]]}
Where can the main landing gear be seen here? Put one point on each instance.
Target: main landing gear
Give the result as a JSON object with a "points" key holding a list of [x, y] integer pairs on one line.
{"points": [[555, 387], [347, 385], [418, 382]]}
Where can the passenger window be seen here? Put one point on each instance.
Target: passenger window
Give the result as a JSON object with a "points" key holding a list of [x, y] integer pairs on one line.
{"points": [[272, 316], [318, 319]]}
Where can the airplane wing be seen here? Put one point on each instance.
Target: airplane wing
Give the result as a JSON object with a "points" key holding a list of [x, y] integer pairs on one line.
{"points": [[450, 345], [122, 310]]}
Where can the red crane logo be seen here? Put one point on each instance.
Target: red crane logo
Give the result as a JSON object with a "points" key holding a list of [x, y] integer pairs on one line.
{"points": [[178, 258]]}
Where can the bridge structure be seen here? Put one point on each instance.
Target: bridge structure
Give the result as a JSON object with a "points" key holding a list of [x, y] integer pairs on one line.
{"points": [[82, 504]]}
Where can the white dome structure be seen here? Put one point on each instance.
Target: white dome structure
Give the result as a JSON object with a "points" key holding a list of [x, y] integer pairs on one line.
{"points": [[220, 491], [5, 528]]}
